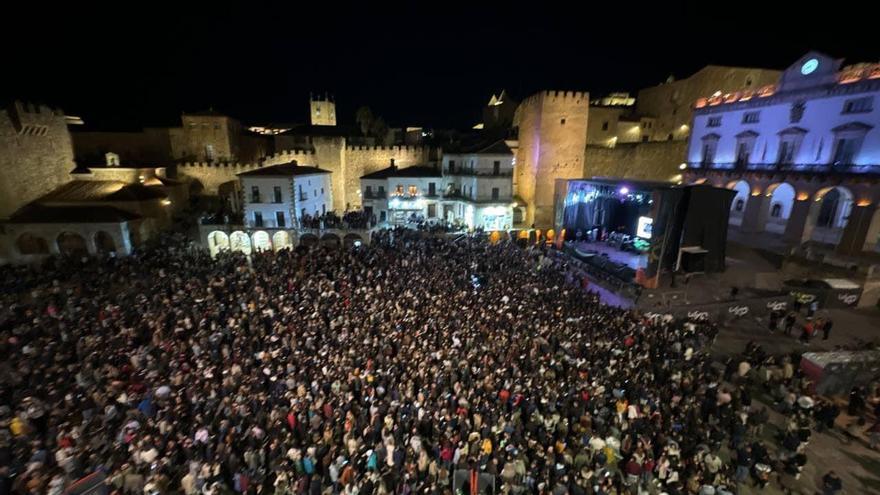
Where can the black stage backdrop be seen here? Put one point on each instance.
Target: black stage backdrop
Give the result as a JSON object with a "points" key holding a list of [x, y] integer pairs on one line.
{"points": [[705, 223]]}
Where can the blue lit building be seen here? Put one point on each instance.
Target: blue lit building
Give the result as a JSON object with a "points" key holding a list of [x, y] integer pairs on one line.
{"points": [[803, 155]]}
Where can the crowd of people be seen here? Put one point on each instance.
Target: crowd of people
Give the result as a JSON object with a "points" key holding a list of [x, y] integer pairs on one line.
{"points": [[330, 220], [416, 364]]}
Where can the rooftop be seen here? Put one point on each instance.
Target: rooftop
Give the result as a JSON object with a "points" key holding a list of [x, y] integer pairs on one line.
{"points": [[71, 214], [101, 190], [284, 170], [416, 171]]}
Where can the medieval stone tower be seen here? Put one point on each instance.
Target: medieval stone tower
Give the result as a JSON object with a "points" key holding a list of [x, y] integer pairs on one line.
{"points": [[552, 139], [36, 154], [322, 110]]}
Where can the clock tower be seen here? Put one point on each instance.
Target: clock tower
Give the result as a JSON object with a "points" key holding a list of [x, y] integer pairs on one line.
{"points": [[811, 70]]}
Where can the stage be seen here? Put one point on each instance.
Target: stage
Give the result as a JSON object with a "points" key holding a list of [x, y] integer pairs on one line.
{"points": [[630, 259], [635, 230]]}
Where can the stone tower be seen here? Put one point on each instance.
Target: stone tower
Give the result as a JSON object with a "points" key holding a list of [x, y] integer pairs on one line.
{"points": [[552, 129], [36, 154], [322, 110]]}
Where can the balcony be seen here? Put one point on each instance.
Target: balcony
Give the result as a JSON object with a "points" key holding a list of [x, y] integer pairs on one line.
{"points": [[480, 173], [807, 168], [375, 195]]}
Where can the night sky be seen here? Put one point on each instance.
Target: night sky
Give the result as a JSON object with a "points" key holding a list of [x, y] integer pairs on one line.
{"points": [[414, 63]]}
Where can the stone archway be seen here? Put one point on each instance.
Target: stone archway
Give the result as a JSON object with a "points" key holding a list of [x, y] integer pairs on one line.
{"points": [[28, 243], [72, 244], [104, 242], [217, 241], [738, 205], [308, 240], [781, 201], [352, 240], [261, 241], [240, 242], [331, 240], [281, 240], [829, 214]]}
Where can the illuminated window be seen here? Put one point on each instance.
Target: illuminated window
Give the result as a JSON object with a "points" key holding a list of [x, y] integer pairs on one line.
{"points": [[399, 189], [413, 190]]}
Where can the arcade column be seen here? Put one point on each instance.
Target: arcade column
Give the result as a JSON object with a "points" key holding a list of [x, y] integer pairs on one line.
{"points": [[755, 214], [797, 229], [856, 231]]}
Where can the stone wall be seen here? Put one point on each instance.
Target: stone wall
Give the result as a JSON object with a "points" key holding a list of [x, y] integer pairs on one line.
{"points": [[36, 154], [552, 138], [346, 163], [360, 160], [150, 146], [672, 103], [658, 160], [209, 176]]}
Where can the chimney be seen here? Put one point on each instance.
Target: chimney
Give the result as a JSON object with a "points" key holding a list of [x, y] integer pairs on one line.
{"points": [[393, 166]]}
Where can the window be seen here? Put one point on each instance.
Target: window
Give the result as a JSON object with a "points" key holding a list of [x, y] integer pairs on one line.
{"points": [[322, 191], [845, 149], [209, 151], [494, 193], [279, 219], [381, 192], [452, 166], [315, 192], [714, 121], [277, 190], [786, 152], [739, 205], [745, 144], [302, 196], [432, 210], [323, 208], [302, 213], [216, 126], [709, 152], [605, 125], [255, 194], [645, 139], [496, 168], [258, 219], [859, 105], [368, 192], [751, 117], [413, 190], [562, 121], [399, 189], [432, 189], [776, 210]]}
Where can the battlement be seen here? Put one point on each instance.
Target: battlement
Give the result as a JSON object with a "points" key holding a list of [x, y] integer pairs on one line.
{"points": [[229, 165], [30, 119], [288, 155], [405, 148], [557, 96]]}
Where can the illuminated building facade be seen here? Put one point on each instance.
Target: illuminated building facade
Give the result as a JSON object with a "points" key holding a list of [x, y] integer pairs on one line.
{"points": [[803, 155], [473, 188]]}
